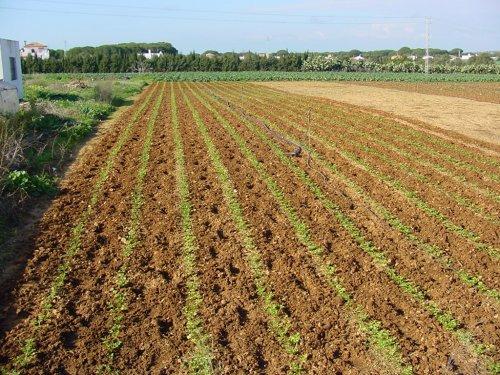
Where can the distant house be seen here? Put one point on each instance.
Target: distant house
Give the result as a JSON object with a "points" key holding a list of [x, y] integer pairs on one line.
{"points": [[427, 57], [358, 58], [10, 66], [467, 56], [35, 49], [397, 57], [412, 57], [210, 55], [149, 55]]}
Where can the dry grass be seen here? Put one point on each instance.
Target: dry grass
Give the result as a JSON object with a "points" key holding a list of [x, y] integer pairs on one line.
{"points": [[480, 91], [11, 145], [474, 119]]}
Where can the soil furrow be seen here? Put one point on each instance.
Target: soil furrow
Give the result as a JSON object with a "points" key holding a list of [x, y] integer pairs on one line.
{"points": [[351, 133], [37, 298], [231, 312], [380, 192], [321, 234]]}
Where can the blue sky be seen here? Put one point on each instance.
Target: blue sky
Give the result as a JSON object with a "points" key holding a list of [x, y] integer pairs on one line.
{"points": [[264, 26]]}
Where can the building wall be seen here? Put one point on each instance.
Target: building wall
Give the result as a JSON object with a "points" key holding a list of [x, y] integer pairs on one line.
{"points": [[8, 49], [41, 53], [9, 102]]}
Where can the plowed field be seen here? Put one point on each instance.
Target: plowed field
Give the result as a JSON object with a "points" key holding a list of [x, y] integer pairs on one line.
{"points": [[232, 228]]}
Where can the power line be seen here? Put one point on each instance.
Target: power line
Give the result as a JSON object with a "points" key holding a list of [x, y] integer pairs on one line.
{"points": [[311, 22], [245, 13], [468, 28]]}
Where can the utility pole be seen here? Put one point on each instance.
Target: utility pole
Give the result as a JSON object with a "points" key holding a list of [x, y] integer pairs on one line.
{"points": [[427, 40]]}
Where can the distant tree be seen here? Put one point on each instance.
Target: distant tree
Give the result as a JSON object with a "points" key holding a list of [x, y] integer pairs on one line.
{"points": [[354, 52], [282, 52], [140, 66], [404, 51], [482, 58], [456, 51]]}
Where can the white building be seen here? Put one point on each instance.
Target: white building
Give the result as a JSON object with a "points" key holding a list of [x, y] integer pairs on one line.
{"points": [[149, 55], [35, 49], [358, 58], [10, 65], [467, 56]]}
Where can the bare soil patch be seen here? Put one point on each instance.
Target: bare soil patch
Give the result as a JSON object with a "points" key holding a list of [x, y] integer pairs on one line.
{"points": [[480, 91], [478, 120]]}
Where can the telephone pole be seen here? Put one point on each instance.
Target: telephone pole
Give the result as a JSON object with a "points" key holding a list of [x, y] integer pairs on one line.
{"points": [[427, 40]]}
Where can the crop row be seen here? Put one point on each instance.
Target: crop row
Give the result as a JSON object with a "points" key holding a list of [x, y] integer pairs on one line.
{"points": [[200, 360], [351, 134], [118, 303], [397, 224], [40, 320], [443, 317], [392, 184], [279, 322], [390, 130], [379, 337]]}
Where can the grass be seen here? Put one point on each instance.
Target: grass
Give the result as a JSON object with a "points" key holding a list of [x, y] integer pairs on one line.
{"points": [[200, 360], [445, 318], [388, 349], [37, 142], [118, 304], [74, 245], [280, 323]]}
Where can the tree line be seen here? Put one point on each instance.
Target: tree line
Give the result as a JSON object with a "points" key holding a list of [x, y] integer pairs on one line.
{"points": [[128, 57]]}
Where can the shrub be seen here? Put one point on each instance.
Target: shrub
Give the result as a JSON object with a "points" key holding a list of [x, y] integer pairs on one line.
{"points": [[33, 185], [103, 91], [95, 110]]}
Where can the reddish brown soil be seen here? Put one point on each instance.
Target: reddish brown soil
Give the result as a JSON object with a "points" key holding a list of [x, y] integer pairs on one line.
{"points": [[427, 227], [153, 334], [412, 264], [328, 125]]}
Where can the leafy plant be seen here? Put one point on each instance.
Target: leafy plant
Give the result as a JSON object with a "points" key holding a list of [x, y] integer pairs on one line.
{"points": [[31, 184]]}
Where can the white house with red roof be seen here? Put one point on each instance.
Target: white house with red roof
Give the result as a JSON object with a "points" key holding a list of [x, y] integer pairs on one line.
{"points": [[35, 49]]}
